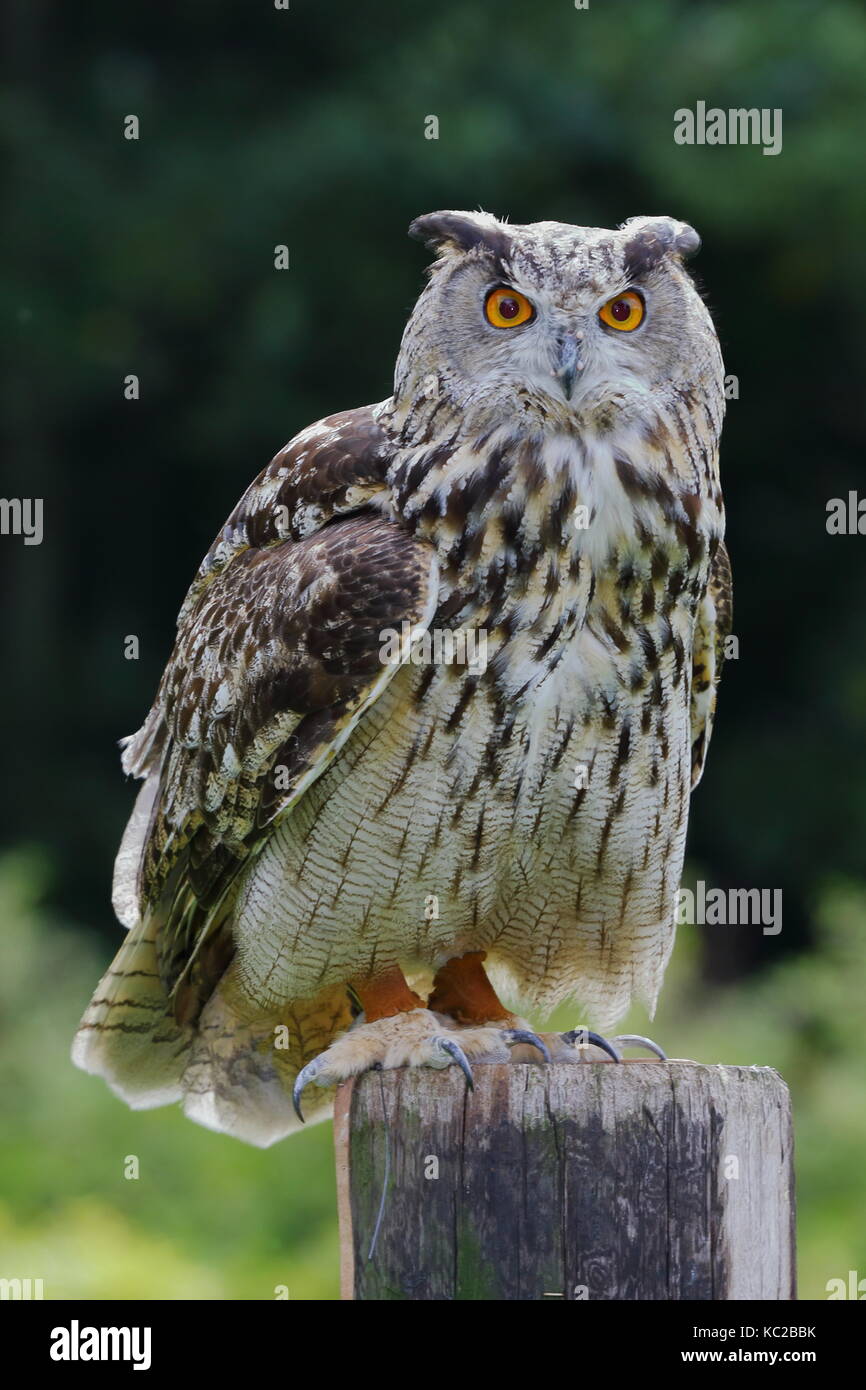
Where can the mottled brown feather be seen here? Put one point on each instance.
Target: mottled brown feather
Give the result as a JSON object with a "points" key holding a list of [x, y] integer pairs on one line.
{"points": [[278, 648]]}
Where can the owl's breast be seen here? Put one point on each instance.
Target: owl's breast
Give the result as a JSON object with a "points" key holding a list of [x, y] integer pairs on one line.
{"points": [[521, 785]]}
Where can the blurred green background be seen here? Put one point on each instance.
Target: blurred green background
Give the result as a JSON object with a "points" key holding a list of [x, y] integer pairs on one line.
{"points": [[305, 127]]}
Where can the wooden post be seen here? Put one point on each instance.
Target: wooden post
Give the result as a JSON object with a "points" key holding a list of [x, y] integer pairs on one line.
{"points": [[589, 1181]]}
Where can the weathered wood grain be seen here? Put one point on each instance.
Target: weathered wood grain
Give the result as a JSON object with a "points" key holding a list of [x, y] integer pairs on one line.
{"points": [[594, 1181]]}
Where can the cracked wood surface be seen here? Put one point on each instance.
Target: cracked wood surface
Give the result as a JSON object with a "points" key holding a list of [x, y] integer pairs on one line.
{"points": [[592, 1181]]}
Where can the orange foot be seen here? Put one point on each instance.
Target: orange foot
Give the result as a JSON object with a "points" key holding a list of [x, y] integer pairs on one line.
{"points": [[462, 991], [398, 1031]]}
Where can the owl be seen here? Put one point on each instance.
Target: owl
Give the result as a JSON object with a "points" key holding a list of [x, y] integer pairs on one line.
{"points": [[440, 692]]}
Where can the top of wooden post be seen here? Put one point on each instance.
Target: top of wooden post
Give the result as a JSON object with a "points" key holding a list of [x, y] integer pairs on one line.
{"points": [[588, 1180]]}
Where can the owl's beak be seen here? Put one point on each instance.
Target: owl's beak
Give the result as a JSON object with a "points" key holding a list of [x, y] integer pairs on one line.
{"points": [[569, 362]]}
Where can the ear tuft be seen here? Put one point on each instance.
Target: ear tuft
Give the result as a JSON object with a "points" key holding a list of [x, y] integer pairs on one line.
{"points": [[686, 241], [437, 229], [652, 238], [462, 231]]}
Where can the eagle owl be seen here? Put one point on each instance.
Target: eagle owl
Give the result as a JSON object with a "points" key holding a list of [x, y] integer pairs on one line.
{"points": [[347, 844]]}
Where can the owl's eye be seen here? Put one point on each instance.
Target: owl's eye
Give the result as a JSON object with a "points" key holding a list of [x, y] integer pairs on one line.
{"points": [[625, 311], [507, 308]]}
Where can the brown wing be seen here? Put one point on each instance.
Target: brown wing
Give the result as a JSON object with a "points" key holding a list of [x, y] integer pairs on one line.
{"points": [[335, 466], [713, 626], [276, 659]]}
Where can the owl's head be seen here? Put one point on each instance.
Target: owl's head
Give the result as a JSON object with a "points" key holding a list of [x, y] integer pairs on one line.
{"points": [[556, 322]]}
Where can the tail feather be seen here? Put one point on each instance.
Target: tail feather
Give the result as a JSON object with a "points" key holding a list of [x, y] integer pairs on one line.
{"points": [[233, 1070], [240, 1073], [127, 1035]]}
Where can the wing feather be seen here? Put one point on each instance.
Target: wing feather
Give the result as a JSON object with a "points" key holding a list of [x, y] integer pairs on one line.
{"points": [[714, 619], [277, 657]]}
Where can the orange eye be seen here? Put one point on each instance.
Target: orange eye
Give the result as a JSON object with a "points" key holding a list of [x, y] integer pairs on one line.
{"points": [[507, 308], [625, 311]]}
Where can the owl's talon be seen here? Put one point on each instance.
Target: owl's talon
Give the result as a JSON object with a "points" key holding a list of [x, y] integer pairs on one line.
{"points": [[580, 1037], [638, 1040], [525, 1035], [456, 1051], [413, 1038], [303, 1079]]}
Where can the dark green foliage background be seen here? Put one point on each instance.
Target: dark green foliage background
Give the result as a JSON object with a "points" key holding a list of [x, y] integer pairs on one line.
{"points": [[306, 127]]}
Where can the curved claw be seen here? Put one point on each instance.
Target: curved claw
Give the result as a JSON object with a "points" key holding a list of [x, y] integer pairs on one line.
{"points": [[523, 1035], [302, 1080], [582, 1036], [456, 1051], [637, 1040]]}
